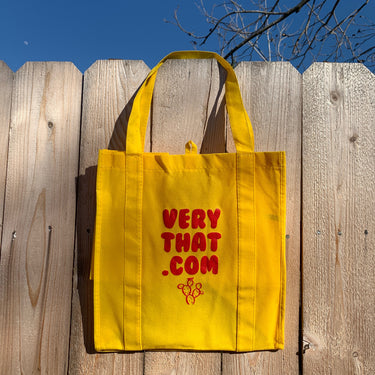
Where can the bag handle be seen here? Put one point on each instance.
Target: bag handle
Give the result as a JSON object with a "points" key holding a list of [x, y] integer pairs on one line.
{"points": [[238, 118]]}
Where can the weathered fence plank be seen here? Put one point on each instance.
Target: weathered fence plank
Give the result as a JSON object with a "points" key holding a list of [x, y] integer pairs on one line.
{"points": [[272, 97], [338, 219], [40, 109], [39, 219], [187, 105], [6, 82], [108, 88]]}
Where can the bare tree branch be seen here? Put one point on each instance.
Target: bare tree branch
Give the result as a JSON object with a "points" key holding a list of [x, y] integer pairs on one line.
{"points": [[273, 30], [295, 9]]}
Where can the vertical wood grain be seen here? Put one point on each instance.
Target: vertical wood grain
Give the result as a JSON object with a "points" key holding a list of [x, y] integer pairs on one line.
{"points": [[39, 219], [6, 81], [187, 105], [338, 219], [108, 89], [272, 96]]}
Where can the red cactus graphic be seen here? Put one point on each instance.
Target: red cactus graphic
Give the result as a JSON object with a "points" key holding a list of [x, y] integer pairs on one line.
{"points": [[188, 291]]}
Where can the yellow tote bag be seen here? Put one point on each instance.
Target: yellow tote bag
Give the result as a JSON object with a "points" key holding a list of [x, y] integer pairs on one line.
{"points": [[189, 249]]}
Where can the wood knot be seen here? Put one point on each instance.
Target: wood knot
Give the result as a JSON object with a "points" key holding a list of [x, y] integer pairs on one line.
{"points": [[334, 97], [304, 347]]}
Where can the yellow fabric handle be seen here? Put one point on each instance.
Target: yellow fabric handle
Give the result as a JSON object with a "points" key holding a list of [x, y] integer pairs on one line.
{"points": [[238, 118]]}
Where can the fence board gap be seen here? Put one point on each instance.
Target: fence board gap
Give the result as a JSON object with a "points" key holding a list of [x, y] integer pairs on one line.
{"points": [[109, 87], [39, 219]]}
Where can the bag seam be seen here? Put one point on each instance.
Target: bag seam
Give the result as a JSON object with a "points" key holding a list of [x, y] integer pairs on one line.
{"points": [[97, 268], [280, 260], [189, 170], [276, 168], [282, 230], [255, 252], [140, 203], [238, 254], [124, 267]]}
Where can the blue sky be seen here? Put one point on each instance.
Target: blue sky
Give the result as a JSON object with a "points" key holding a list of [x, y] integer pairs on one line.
{"points": [[85, 31]]}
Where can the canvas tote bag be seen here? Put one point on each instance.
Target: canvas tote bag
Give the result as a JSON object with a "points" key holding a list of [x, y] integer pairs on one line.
{"points": [[189, 249]]}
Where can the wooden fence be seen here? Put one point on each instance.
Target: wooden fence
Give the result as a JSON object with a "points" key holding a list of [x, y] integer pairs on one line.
{"points": [[53, 121]]}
